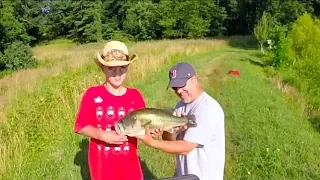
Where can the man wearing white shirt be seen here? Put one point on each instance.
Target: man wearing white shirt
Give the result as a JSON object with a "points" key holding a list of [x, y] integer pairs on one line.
{"points": [[199, 150]]}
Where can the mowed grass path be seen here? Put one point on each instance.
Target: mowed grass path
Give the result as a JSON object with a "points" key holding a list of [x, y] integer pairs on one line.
{"points": [[267, 138]]}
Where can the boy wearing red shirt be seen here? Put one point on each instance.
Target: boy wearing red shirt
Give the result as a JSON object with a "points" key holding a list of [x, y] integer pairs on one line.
{"points": [[110, 156]]}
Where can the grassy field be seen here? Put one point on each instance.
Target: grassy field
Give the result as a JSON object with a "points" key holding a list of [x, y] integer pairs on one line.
{"points": [[267, 134]]}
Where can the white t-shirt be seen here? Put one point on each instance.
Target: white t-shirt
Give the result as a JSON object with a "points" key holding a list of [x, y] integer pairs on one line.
{"points": [[208, 159]]}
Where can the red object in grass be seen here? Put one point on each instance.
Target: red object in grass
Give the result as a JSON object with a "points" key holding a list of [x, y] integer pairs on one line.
{"points": [[234, 72]]}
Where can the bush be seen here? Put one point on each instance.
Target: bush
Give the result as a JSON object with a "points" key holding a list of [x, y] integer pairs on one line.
{"points": [[18, 56], [280, 55], [299, 52], [305, 36]]}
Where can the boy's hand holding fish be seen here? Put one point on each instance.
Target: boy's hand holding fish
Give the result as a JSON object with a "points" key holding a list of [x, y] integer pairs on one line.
{"points": [[113, 138]]}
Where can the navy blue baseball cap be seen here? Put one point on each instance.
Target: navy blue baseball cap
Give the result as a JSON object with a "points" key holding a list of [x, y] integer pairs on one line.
{"points": [[179, 74]]}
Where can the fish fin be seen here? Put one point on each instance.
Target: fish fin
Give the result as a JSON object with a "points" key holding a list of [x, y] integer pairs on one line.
{"points": [[191, 121], [147, 124], [141, 133], [169, 110]]}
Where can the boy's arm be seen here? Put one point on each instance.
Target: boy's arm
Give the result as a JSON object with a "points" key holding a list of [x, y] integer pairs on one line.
{"points": [[91, 131], [110, 137]]}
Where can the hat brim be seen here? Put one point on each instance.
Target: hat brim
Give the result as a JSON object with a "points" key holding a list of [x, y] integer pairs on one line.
{"points": [[177, 82], [114, 63]]}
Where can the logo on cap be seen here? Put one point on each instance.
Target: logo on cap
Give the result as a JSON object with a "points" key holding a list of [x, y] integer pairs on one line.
{"points": [[174, 74]]}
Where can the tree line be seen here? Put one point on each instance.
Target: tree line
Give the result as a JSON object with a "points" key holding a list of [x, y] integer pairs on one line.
{"points": [[25, 23]]}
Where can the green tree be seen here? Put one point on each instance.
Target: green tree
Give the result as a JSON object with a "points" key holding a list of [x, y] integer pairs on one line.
{"points": [[141, 20], [287, 12], [30, 14], [261, 30], [59, 19], [10, 28], [191, 19], [87, 25], [169, 20], [113, 16], [305, 37]]}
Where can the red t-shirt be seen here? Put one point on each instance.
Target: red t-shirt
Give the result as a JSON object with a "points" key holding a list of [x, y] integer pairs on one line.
{"points": [[101, 109]]}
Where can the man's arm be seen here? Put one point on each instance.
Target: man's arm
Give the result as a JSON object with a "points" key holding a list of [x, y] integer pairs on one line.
{"points": [[174, 147], [169, 146]]}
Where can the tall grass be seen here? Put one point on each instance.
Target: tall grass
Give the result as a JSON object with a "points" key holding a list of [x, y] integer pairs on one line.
{"points": [[152, 55], [41, 103]]}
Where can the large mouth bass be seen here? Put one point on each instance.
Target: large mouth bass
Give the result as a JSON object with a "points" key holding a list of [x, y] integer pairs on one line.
{"points": [[135, 122]]}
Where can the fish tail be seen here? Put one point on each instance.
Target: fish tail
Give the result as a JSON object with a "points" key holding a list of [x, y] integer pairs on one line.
{"points": [[191, 121]]}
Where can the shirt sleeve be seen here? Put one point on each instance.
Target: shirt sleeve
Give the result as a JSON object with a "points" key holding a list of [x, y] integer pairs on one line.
{"points": [[141, 103], [206, 123], [85, 112]]}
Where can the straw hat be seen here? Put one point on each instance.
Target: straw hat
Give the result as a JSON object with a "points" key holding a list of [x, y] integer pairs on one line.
{"points": [[115, 53]]}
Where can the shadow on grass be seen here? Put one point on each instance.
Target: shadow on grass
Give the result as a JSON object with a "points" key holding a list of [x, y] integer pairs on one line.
{"points": [[184, 177], [254, 62], [81, 160], [147, 174], [260, 64], [249, 46], [315, 121], [242, 42]]}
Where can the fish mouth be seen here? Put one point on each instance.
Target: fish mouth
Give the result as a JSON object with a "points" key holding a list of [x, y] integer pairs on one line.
{"points": [[191, 121], [119, 128], [136, 134]]}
